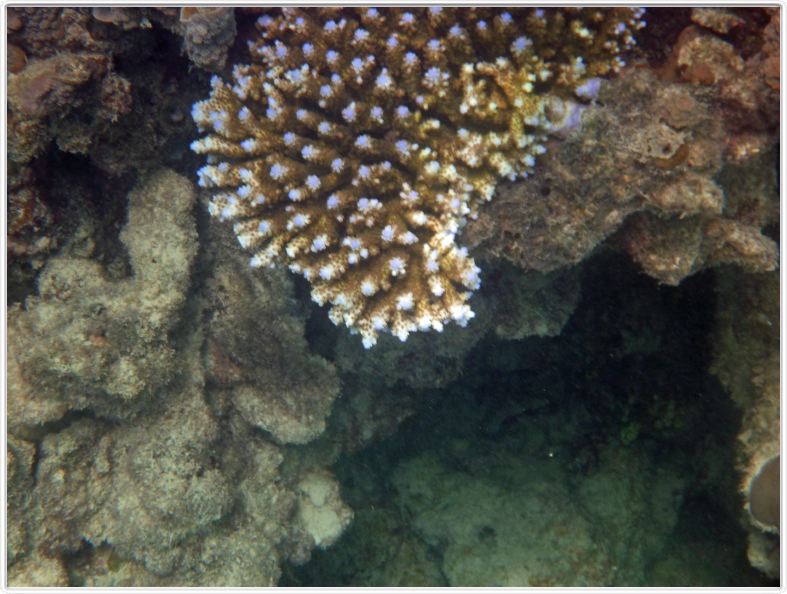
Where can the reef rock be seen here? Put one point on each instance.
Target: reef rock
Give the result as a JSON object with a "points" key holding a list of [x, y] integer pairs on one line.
{"points": [[664, 184], [268, 373], [746, 361], [135, 456], [85, 342]]}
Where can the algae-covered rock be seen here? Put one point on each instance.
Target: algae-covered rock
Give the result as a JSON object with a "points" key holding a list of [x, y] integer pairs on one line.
{"points": [[20, 457], [517, 521], [651, 168], [257, 352], [497, 536], [87, 342], [138, 473], [746, 361]]}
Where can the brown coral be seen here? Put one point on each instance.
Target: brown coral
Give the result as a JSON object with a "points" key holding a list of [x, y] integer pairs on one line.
{"points": [[360, 140]]}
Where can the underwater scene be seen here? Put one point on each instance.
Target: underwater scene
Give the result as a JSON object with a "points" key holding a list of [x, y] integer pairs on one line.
{"points": [[393, 296]]}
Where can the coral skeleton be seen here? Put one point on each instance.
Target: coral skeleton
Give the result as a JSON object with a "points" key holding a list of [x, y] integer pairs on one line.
{"points": [[358, 141]]}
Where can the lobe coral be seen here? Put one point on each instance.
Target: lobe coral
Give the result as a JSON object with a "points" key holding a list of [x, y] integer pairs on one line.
{"points": [[358, 141]]}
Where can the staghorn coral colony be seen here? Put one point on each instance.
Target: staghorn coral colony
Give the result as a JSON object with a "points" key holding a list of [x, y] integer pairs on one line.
{"points": [[358, 141]]}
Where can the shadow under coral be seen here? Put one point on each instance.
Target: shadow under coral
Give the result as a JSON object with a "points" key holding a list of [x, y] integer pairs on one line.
{"points": [[603, 456]]}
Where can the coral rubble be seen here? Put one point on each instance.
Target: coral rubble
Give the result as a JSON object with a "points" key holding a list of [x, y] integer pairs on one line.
{"points": [[358, 141]]}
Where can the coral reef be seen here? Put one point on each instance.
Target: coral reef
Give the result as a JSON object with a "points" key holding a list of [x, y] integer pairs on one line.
{"points": [[169, 506], [62, 87], [89, 342], [360, 140], [269, 374], [80, 78], [688, 189], [62, 68], [369, 410], [321, 510], [746, 361], [558, 460], [207, 32], [426, 360], [74, 75], [174, 414], [128, 464]]}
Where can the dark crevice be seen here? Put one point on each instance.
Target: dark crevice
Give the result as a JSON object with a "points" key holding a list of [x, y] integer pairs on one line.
{"points": [[629, 371]]}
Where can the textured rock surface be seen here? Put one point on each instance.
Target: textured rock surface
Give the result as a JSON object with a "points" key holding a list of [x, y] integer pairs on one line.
{"points": [[66, 88], [528, 528], [654, 180], [88, 342], [269, 374], [746, 360], [690, 188], [126, 465]]}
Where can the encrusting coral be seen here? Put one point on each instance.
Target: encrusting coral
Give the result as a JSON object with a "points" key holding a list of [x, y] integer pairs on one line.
{"points": [[358, 141]]}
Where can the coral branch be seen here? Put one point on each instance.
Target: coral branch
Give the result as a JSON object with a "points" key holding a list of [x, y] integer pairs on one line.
{"points": [[358, 141]]}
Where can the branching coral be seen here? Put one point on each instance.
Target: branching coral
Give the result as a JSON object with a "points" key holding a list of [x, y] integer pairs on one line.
{"points": [[358, 141]]}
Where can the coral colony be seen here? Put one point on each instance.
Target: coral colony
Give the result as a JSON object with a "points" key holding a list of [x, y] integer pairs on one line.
{"points": [[358, 141]]}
